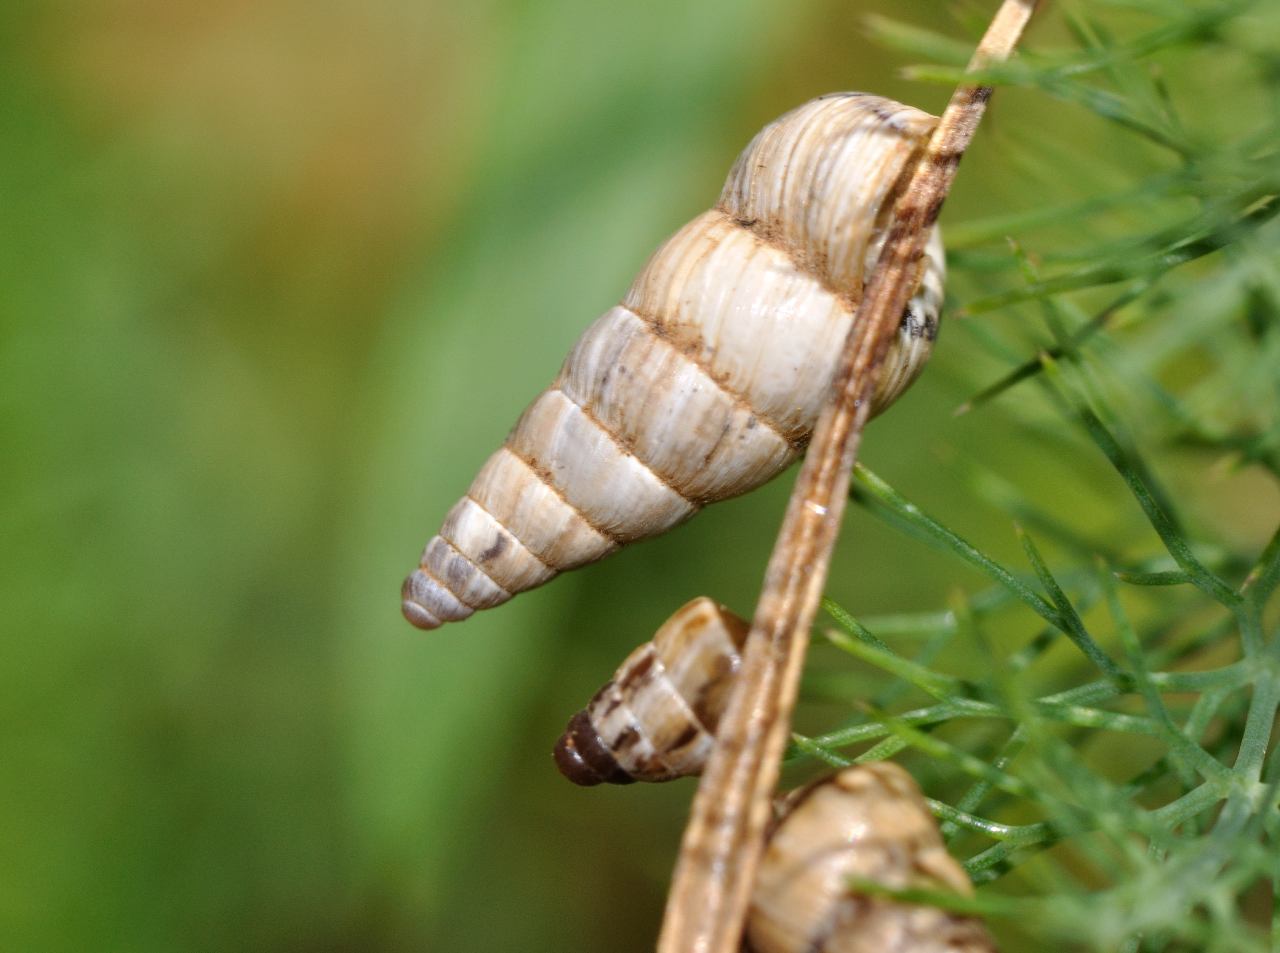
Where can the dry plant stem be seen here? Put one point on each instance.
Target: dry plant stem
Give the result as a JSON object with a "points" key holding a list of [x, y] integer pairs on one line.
{"points": [[711, 888]]}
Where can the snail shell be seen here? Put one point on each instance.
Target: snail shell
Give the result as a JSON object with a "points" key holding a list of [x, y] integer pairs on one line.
{"points": [[656, 719], [864, 823], [707, 380]]}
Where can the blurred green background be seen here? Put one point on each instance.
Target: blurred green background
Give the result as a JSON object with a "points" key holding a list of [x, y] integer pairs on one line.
{"points": [[275, 278]]}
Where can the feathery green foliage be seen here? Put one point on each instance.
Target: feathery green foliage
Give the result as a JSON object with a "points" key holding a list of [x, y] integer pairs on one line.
{"points": [[1121, 794]]}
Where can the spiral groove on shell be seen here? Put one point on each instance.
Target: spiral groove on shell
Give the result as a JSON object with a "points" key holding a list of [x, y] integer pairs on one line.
{"points": [[707, 380], [867, 823], [656, 719]]}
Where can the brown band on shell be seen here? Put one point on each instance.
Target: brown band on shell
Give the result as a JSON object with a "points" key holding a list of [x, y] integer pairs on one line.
{"points": [[582, 758]]}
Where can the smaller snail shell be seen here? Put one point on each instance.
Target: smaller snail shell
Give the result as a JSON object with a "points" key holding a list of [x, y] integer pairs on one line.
{"points": [[656, 719], [866, 823]]}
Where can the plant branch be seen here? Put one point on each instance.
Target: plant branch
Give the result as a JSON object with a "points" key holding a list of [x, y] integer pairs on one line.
{"points": [[723, 840]]}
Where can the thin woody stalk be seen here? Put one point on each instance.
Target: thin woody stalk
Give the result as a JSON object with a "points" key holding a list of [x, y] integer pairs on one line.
{"points": [[722, 842]]}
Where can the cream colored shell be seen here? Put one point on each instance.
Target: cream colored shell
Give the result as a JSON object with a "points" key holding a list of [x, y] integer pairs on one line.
{"points": [[866, 823], [656, 719], [707, 380]]}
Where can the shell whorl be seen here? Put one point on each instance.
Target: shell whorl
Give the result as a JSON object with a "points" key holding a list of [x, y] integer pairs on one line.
{"points": [[656, 719], [707, 380], [867, 823]]}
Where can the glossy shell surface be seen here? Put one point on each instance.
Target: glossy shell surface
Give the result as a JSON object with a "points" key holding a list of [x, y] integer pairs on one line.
{"points": [[867, 823]]}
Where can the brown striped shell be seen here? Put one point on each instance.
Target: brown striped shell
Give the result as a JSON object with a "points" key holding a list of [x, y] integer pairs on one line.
{"points": [[867, 823], [656, 719], [706, 381]]}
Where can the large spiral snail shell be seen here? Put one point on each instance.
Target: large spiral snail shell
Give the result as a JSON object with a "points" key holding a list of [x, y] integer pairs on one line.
{"points": [[707, 380], [656, 719], [867, 823]]}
